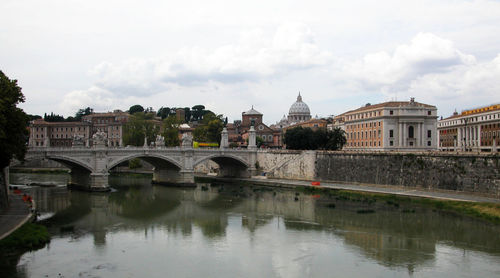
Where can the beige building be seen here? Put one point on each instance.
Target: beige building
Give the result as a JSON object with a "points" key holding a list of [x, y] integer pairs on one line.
{"points": [[472, 130], [393, 125], [62, 134], [58, 134]]}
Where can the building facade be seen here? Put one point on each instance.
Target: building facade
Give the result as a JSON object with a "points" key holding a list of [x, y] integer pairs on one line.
{"points": [[393, 125], [63, 134], [472, 130], [238, 131]]}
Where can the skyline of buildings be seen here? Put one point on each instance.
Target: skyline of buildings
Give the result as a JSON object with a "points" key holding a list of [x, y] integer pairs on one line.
{"points": [[392, 125]]}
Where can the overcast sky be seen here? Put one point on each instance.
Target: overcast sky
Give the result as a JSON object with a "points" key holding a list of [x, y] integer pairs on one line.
{"points": [[230, 55]]}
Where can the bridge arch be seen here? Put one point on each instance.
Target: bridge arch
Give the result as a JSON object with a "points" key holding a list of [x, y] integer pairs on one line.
{"points": [[69, 162], [154, 159], [230, 165], [215, 157]]}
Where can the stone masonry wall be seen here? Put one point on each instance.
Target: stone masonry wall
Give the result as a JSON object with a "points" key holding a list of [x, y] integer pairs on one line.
{"points": [[478, 173], [283, 164], [469, 173]]}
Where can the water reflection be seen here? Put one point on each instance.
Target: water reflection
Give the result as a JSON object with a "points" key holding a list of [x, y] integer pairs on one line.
{"points": [[281, 225]]}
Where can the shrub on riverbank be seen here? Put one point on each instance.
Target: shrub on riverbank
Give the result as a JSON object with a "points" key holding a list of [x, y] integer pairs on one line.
{"points": [[29, 236]]}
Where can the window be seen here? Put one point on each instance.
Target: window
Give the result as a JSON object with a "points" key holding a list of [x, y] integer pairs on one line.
{"points": [[391, 143], [429, 132], [411, 132], [429, 143], [391, 134], [429, 112], [391, 112]]}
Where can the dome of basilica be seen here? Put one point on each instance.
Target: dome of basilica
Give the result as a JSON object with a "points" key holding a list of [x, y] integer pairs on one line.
{"points": [[299, 108], [299, 111]]}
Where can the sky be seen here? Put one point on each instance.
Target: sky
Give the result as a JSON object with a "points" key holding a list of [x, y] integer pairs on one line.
{"points": [[230, 55]]}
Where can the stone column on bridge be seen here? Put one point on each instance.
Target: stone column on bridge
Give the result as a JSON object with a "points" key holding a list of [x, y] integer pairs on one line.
{"points": [[252, 138], [224, 141]]}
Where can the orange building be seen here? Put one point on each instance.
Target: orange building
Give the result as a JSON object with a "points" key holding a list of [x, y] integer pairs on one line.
{"points": [[472, 130]]}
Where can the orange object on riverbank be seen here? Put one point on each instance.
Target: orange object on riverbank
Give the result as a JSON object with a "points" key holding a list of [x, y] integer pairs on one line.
{"points": [[315, 183]]}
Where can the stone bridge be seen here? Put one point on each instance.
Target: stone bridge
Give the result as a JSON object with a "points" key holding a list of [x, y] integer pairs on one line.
{"points": [[90, 166]]}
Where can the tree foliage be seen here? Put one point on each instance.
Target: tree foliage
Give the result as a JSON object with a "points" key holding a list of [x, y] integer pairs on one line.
{"points": [[300, 138], [53, 117], [163, 112], [137, 127], [171, 131], [210, 128], [83, 112], [13, 131], [135, 108]]}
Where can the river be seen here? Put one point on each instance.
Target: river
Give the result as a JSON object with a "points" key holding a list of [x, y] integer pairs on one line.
{"points": [[141, 230]]}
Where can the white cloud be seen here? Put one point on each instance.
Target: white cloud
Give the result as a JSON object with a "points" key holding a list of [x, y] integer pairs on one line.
{"points": [[253, 58], [429, 68], [426, 53], [95, 97]]}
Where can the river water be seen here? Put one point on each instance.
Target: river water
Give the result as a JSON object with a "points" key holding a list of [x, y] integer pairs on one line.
{"points": [[140, 230]]}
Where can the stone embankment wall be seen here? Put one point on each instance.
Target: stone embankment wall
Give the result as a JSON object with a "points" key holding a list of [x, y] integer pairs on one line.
{"points": [[477, 173], [282, 164]]}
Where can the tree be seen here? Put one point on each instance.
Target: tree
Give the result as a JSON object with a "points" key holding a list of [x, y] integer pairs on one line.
{"points": [[163, 112], [137, 127], [13, 131], [336, 140], [83, 112], [300, 138], [135, 108], [53, 117], [171, 131], [210, 128], [187, 114], [197, 112]]}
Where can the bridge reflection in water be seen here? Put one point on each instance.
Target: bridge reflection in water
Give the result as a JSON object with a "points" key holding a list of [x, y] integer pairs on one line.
{"points": [[389, 236]]}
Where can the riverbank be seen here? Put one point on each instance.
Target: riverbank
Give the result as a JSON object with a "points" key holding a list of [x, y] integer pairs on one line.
{"points": [[468, 204], [17, 214]]}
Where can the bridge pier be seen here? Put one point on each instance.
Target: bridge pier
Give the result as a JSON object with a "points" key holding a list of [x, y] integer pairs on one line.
{"points": [[173, 177], [99, 182], [82, 179]]}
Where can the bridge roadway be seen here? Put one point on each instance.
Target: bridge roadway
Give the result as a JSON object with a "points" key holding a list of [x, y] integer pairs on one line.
{"points": [[90, 166]]}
